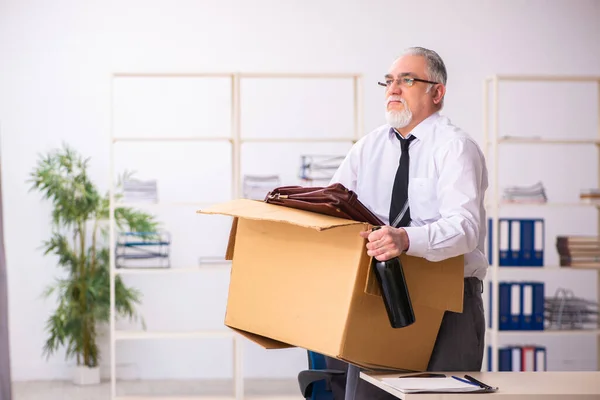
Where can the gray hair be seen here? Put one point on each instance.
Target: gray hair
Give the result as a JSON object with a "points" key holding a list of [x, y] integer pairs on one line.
{"points": [[436, 69], [435, 65]]}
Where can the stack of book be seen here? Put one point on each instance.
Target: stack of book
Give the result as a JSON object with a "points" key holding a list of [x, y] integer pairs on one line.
{"points": [[578, 251], [590, 196], [525, 194]]}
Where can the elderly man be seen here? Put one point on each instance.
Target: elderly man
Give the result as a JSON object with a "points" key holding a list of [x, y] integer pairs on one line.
{"points": [[426, 179]]}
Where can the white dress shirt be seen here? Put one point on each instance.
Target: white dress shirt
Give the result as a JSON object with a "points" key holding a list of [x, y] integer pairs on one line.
{"points": [[447, 181]]}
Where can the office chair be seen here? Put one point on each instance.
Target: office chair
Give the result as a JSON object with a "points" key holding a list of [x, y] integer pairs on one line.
{"points": [[315, 382]]}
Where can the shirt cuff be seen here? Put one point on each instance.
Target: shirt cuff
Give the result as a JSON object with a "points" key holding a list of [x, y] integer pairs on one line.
{"points": [[418, 240]]}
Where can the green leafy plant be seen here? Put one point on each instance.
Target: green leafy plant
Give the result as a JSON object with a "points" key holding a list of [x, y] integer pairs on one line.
{"points": [[79, 239]]}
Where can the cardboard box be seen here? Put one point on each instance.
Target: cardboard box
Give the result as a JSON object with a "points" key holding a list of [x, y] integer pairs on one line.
{"points": [[304, 279]]}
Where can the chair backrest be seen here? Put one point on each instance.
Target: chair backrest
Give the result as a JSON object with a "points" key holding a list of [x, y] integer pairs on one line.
{"points": [[320, 391], [316, 360]]}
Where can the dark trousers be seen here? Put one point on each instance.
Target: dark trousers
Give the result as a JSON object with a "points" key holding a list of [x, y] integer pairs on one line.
{"points": [[458, 347]]}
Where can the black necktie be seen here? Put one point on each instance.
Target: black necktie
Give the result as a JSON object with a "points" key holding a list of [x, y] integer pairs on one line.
{"points": [[399, 211]]}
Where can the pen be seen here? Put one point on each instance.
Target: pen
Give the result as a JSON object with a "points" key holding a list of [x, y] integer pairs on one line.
{"points": [[465, 381], [481, 384]]}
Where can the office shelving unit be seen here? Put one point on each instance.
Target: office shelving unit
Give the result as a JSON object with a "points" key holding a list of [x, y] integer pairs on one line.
{"points": [[236, 140], [492, 142]]}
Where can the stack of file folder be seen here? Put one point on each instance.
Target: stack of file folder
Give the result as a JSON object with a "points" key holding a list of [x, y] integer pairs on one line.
{"points": [[566, 311], [519, 358], [521, 242], [256, 187], [319, 168], [578, 251], [143, 250], [138, 191], [520, 306]]}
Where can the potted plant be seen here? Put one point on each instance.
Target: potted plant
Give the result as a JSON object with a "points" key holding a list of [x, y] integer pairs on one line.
{"points": [[79, 241]]}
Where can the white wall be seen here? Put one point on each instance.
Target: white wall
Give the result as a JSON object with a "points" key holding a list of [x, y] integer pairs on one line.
{"points": [[55, 59]]}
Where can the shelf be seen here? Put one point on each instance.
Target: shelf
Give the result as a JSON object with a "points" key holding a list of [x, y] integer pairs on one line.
{"points": [[173, 139], [275, 75], [495, 137], [503, 204], [296, 140], [190, 397], [538, 140], [233, 139], [229, 139], [545, 78], [165, 204], [547, 268], [141, 335], [548, 332], [173, 74], [162, 271]]}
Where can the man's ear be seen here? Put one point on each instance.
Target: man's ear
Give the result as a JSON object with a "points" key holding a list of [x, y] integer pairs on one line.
{"points": [[438, 93]]}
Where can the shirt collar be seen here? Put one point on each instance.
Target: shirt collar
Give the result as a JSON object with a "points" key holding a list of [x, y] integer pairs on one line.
{"points": [[418, 131]]}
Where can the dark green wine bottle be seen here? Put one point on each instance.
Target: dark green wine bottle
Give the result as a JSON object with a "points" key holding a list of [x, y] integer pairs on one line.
{"points": [[394, 290]]}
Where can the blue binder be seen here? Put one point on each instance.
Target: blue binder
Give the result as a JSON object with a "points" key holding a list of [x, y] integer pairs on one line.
{"points": [[504, 305], [521, 242], [537, 324], [504, 234], [510, 359], [504, 359], [517, 358], [540, 359], [516, 307], [532, 309], [520, 306], [491, 316], [532, 242], [526, 311]]}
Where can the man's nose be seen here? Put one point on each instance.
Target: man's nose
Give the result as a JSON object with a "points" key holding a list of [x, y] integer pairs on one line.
{"points": [[394, 88]]}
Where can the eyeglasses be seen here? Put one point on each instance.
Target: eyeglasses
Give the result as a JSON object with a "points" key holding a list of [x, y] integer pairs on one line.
{"points": [[405, 81]]}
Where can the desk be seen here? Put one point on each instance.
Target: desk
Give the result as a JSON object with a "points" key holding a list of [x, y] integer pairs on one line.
{"points": [[513, 386]]}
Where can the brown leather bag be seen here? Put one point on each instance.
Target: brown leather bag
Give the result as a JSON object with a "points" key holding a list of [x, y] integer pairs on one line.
{"points": [[335, 200]]}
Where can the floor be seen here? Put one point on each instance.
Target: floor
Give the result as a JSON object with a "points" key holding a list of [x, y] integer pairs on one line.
{"points": [[148, 390]]}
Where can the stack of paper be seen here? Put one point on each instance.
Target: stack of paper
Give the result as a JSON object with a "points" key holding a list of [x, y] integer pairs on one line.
{"points": [[256, 187], [138, 191], [429, 385], [319, 168], [535, 193]]}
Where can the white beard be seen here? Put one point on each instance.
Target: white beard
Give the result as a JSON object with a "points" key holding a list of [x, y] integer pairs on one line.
{"points": [[399, 119]]}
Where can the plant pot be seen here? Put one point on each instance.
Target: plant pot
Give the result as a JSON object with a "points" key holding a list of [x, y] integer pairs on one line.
{"points": [[83, 375]]}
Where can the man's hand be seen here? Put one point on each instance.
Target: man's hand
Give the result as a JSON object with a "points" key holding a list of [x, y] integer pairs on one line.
{"points": [[386, 243]]}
